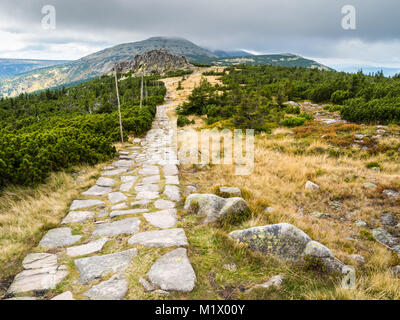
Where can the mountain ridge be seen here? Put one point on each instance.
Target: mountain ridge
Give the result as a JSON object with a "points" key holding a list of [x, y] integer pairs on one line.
{"points": [[98, 63]]}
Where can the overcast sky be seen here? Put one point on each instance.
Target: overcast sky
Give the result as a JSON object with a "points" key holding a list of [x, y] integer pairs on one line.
{"points": [[311, 28]]}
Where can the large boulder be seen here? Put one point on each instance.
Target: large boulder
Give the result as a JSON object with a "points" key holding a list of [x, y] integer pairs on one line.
{"points": [[287, 242], [216, 208]]}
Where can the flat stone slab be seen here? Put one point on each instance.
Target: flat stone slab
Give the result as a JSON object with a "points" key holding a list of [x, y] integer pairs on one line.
{"points": [[147, 187], [125, 179], [170, 170], [123, 163], [162, 219], [125, 226], [88, 248], [114, 172], [93, 268], [67, 295], [147, 195], [141, 203], [105, 182], [39, 260], [97, 191], [115, 197], [38, 279], [115, 288], [119, 206], [160, 238], [173, 271], [164, 204], [78, 217], [172, 180], [126, 187], [149, 171], [80, 204], [126, 212], [172, 192], [58, 237], [150, 179]]}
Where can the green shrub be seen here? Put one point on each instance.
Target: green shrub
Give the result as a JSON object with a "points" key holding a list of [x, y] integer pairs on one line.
{"points": [[294, 121], [183, 121]]}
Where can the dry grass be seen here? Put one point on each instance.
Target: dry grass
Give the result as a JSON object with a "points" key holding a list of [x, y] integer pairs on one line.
{"points": [[284, 161], [26, 213]]}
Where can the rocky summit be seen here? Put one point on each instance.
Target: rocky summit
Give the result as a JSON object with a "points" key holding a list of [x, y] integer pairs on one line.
{"points": [[158, 61]]}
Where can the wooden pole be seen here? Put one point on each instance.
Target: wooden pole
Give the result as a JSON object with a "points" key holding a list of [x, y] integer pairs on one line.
{"points": [[119, 105], [141, 93]]}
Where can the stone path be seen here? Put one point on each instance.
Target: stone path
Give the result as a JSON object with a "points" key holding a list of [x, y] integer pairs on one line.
{"points": [[132, 204]]}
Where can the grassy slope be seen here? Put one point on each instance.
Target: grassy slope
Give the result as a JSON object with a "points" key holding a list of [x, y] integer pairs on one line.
{"points": [[283, 163]]}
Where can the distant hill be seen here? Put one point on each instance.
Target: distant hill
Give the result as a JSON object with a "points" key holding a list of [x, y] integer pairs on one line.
{"points": [[13, 67], [237, 53], [101, 62], [97, 64], [286, 59]]}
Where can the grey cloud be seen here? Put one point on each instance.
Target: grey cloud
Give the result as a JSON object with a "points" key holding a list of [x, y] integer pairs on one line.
{"points": [[307, 27]]}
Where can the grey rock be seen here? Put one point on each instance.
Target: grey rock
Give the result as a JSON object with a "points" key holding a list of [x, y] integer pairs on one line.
{"points": [[93, 268], [269, 209], [41, 279], [125, 226], [91, 247], [115, 197], [115, 172], [275, 281], [227, 192], [119, 206], [147, 187], [358, 259], [67, 295], [39, 260], [126, 212], [149, 171], [126, 187], [311, 186], [162, 219], [77, 217], [283, 239], [123, 163], [361, 223], [390, 193], [58, 237], [108, 168], [20, 298], [215, 207], [147, 195], [102, 213], [164, 204], [126, 179], [147, 285], [97, 191], [381, 235], [173, 271], [388, 219], [172, 180], [160, 238], [161, 292], [170, 170], [317, 214], [115, 288], [151, 179], [80, 204], [317, 250], [172, 192], [395, 271]]}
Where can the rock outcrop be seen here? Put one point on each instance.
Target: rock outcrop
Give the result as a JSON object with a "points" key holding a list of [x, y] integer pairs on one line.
{"points": [[289, 243], [157, 61], [216, 208]]}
